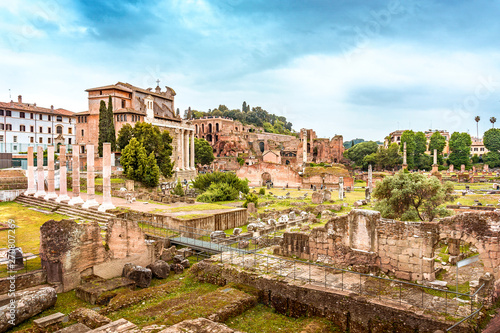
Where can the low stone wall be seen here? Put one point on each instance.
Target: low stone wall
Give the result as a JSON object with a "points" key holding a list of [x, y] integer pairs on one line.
{"points": [[10, 195], [351, 312], [25, 280]]}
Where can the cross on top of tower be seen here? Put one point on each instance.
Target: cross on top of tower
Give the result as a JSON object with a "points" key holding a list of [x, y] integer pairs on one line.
{"points": [[158, 82]]}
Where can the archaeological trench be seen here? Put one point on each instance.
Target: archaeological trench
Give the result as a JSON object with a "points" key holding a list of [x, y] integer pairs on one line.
{"points": [[361, 272]]}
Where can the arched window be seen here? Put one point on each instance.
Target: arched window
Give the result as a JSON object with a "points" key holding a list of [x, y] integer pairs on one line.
{"points": [[217, 127], [203, 128], [196, 129], [59, 129], [209, 128]]}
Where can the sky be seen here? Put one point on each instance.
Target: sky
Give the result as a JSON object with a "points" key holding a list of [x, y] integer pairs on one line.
{"points": [[361, 69]]}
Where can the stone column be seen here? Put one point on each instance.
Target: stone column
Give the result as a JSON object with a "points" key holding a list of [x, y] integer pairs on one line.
{"points": [[370, 177], [193, 167], [186, 150], [39, 170], [91, 202], [304, 146], [179, 150], [462, 168], [31, 173], [435, 167], [452, 167], [106, 178], [51, 193], [405, 165], [63, 184], [341, 188], [76, 199]]}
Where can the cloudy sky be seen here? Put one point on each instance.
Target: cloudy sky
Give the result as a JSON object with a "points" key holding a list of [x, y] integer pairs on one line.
{"points": [[356, 68]]}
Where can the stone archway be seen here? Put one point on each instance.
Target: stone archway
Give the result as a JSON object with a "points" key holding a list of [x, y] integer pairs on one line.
{"points": [[266, 178], [261, 146]]}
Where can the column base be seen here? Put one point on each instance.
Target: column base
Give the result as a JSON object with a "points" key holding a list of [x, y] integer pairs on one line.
{"points": [[49, 196], [63, 198], [90, 203], [76, 201], [106, 206], [30, 192], [40, 194]]}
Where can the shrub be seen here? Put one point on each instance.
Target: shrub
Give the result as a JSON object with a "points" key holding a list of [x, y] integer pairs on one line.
{"points": [[240, 161], [178, 190], [262, 191], [251, 197], [204, 181], [218, 192]]}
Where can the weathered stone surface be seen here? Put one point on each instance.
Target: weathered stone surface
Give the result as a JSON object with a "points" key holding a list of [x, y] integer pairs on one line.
{"points": [[49, 320], [251, 208], [200, 325], [177, 268], [178, 259], [185, 263], [142, 276], [317, 198], [160, 269], [168, 254], [237, 231], [120, 325], [75, 328], [29, 304], [89, 318], [92, 291]]}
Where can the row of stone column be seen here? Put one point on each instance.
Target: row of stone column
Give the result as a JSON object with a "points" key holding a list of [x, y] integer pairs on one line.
{"points": [[185, 154], [76, 199]]}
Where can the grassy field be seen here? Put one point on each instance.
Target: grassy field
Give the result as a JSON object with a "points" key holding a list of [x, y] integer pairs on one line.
{"points": [[192, 208]]}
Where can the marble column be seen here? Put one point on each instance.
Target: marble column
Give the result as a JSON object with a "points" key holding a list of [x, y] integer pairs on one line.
{"points": [[63, 170], [91, 202], [76, 199], [435, 167], [186, 150], [39, 170], [304, 146], [106, 178], [193, 167], [31, 173], [405, 165], [179, 150], [341, 188], [370, 178], [51, 193]]}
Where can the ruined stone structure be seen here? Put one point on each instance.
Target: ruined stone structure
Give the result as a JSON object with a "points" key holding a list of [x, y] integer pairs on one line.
{"points": [[70, 251], [365, 241], [133, 104]]}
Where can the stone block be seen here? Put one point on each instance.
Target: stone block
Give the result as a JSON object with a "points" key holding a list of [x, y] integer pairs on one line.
{"points": [[76, 328], [403, 275], [404, 267], [160, 269], [403, 258], [92, 290], [89, 318], [142, 276], [49, 320]]}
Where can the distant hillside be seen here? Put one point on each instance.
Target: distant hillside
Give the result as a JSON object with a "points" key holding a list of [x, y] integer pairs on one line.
{"points": [[255, 116]]}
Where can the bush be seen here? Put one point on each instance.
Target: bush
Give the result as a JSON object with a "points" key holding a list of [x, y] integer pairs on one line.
{"points": [[218, 192], [204, 181], [178, 190], [251, 197], [240, 161], [262, 191]]}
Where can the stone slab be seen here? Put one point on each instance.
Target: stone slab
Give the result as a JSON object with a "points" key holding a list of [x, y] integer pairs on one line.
{"points": [[76, 328], [120, 325], [91, 291], [49, 320]]}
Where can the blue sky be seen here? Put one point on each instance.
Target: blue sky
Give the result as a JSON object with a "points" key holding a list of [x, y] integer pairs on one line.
{"points": [[356, 68]]}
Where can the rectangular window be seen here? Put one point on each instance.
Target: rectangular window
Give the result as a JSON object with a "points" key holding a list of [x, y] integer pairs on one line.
{"points": [[31, 116], [8, 127], [48, 141], [85, 118], [123, 103], [32, 129], [15, 138], [49, 130], [8, 113], [70, 130], [22, 128], [1, 138], [69, 141], [41, 129], [59, 118], [40, 140], [21, 115], [1, 112], [40, 116], [482, 149], [125, 117], [49, 118], [2, 127], [32, 139], [14, 147], [83, 133]]}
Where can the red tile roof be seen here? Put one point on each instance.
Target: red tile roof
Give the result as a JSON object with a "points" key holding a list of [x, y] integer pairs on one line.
{"points": [[32, 108]]}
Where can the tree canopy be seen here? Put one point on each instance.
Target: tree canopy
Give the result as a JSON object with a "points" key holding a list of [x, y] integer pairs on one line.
{"points": [[385, 158], [203, 152], [491, 139], [437, 142], [460, 149], [409, 196], [358, 152], [106, 126]]}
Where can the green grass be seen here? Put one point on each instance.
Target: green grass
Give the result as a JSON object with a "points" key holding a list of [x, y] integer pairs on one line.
{"points": [[196, 207], [98, 181], [191, 216], [263, 319]]}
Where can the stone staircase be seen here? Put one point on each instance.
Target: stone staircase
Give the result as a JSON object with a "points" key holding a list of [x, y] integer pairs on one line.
{"points": [[74, 212]]}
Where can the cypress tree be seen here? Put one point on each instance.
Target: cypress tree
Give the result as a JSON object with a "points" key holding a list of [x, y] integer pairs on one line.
{"points": [[103, 126], [111, 136]]}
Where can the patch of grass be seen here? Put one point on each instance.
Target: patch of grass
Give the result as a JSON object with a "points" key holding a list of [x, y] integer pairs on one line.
{"points": [[263, 319], [195, 207], [191, 216], [230, 231]]}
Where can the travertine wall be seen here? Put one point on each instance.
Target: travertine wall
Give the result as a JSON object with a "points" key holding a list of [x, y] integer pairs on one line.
{"points": [[281, 175], [365, 241], [70, 251]]}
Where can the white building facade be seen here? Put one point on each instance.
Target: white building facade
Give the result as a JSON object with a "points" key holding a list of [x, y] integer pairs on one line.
{"points": [[26, 124]]}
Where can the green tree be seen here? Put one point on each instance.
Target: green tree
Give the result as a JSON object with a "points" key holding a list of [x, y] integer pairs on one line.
{"points": [[421, 160], [203, 152], [492, 158], [251, 197], [407, 194], [103, 126], [178, 190], [204, 181], [124, 135], [460, 149], [491, 139], [110, 119], [437, 142], [218, 192], [134, 160], [360, 150], [493, 120], [151, 175], [408, 136], [475, 159]]}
